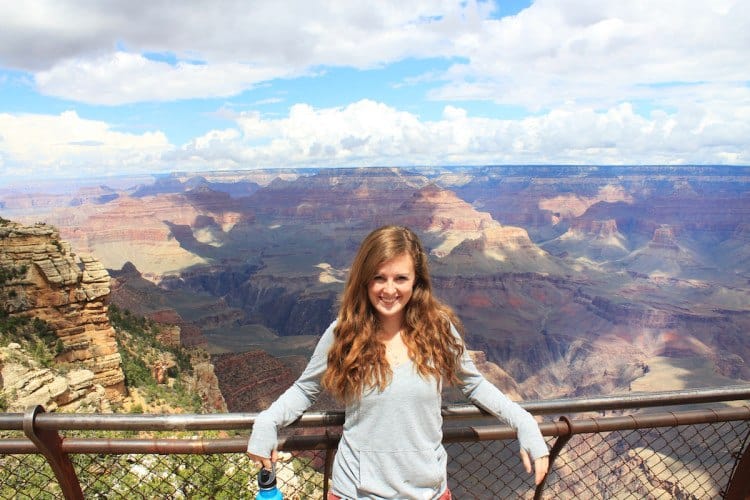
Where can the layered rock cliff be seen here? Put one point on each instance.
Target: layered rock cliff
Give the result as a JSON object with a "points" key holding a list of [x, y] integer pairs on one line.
{"points": [[599, 240], [68, 292], [251, 381]]}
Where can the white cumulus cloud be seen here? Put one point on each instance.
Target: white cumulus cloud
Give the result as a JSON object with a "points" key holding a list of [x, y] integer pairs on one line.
{"points": [[368, 132], [101, 53], [603, 52], [372, 133], [68, 145], [122, 78]]}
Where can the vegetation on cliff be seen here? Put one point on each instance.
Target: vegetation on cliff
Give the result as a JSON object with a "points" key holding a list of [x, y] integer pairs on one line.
{"points": [[161, 374]]}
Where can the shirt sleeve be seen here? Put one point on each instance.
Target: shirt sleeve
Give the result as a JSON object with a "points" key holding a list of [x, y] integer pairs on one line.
{"points": [[484, 394], [293, 402]]}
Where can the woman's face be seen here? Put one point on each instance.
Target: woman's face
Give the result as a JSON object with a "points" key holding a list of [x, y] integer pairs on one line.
{"points": [[391, 288]]}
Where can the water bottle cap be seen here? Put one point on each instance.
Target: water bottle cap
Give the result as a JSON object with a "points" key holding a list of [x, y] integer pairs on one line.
{"points": [[266, 479]]}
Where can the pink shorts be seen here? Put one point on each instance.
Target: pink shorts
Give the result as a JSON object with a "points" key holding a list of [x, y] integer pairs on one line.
{"points": [[444, 496]]}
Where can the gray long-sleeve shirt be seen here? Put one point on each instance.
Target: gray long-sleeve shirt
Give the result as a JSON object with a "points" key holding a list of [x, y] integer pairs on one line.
{"points": [[391, 446]]}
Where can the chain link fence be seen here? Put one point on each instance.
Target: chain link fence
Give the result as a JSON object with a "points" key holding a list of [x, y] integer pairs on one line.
{"points": [[112, 475], [216, 476], [27, 477], [684, 462], [681, 455]]}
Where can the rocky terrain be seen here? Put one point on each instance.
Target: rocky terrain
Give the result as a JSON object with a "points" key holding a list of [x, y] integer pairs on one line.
{"points": [[67, 291], [60, 350], [27, 383], [250, 381], [572, 279]]}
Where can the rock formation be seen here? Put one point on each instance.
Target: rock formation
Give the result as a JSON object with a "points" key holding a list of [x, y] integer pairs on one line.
{"points": [[30, 384], [250, 381], [664, 237], [598, 240], [67, 291], [143, 233], [495, 374], [435, 209]]}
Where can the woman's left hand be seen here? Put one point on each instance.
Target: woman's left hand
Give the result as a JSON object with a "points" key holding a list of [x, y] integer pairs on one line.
{"points": [[541, 465]]}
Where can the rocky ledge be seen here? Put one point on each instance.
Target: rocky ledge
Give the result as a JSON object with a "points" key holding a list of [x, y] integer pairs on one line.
{"points": [[31, 384]]}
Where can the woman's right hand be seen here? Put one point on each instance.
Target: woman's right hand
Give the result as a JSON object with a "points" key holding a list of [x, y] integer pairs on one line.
{"points": [[265, 462]]}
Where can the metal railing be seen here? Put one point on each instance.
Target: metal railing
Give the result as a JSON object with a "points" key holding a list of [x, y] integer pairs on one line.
{"points": [[678, 444]]}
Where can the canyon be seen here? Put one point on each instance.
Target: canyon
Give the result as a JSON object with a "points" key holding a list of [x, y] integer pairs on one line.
{"points": [[569, 280]]}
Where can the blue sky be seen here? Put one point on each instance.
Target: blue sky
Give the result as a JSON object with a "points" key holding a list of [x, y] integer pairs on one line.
{"points": [[154, 86]]}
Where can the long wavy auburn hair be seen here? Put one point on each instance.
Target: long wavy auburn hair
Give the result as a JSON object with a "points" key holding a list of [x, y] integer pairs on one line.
{"points": [[357, 361]]}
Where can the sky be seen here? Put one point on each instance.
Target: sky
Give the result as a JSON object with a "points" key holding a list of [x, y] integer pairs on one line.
{"points": [[95, 88]]}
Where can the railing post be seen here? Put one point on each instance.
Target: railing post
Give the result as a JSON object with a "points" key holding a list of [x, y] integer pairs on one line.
{"points": [[739, 483], [49, 443], [328, 466], [561, 441]]}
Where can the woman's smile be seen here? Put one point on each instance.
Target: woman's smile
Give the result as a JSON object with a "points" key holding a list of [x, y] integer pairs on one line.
{"points": [[390, 289]]}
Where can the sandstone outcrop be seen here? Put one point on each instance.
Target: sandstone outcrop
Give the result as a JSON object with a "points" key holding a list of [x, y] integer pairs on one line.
{"points": [[143, 233], [435, 209], [67, 291], [207, 384], [570, 206], [29, 384], [457, 229], [596, 239]]}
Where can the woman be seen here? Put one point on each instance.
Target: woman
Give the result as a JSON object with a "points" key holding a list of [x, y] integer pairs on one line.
{"points": [[386, 357]]}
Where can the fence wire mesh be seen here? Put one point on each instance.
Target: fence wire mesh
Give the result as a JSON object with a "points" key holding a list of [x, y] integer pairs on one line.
{"points": [[27, 477], [685, 462], [217, 476], [487, 469]]}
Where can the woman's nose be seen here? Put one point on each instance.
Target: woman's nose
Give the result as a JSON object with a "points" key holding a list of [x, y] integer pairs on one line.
{"points": [[390, 287]]}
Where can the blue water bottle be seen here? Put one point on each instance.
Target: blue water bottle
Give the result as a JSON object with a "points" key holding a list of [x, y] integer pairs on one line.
{"points": [[267, 489]]}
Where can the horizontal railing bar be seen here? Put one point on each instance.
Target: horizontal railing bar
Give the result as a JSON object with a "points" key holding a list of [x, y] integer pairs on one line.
{"points": [[17, 445], [150, 422], [11, 421], [604, 424], [164, 446], [129, 421], [227, 421], [669, 419], [643, 400], [619, 401], [330, 439]]}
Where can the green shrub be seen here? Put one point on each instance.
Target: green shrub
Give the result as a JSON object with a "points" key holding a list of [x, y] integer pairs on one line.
{"points": [[140, 349], [36, 336]]}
